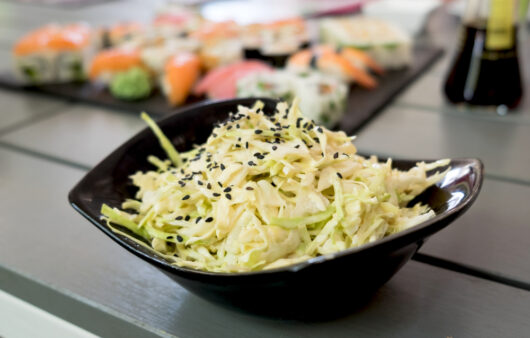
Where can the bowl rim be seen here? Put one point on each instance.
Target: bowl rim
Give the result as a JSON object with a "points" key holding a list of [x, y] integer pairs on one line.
{"points": [[406, 236]]}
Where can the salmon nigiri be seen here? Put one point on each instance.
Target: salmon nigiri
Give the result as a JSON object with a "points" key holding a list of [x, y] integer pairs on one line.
{"points": [[109, 62], [181, 72], [348, 66]]}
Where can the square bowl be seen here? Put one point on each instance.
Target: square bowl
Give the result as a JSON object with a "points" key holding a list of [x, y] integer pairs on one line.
{"points": [[323, 286]]}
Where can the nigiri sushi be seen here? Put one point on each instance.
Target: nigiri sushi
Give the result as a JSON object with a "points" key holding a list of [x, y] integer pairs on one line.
{"points": [[181, 72], [110, 62], [346, 66], [221, 83], [54, 53], [387, 44]]}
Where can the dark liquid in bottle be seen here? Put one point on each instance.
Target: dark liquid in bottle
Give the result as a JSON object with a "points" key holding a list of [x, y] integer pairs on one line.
{"points": [[484, 77]]}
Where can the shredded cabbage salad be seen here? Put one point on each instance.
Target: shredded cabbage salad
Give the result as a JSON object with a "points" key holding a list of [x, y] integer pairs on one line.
{"points": [[266, 191]]}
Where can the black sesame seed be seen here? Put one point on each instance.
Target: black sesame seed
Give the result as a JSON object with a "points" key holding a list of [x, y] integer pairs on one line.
{"points": [[273, 184], [238, 146], [209, 219], [336, 155], [227, 189], [246, 145], [187, 218], [249, 188], [322, 154], [339, 175], [179, 238], [258, 131], [223, 167], [297, 146], [179, 218], [274, 147], [216, 194], [198, 219], [220, 184], [214, 134], [305, 125], [238, 126], [319, 129], [169, 237], [228, 196], [229, 127], [277, 134], [316, 139], [199, 182], [251, 163], [209, 186], [186, 197], [298, 120]]}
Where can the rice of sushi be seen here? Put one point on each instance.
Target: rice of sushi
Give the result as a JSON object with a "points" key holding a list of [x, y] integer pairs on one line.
{"points": [[387, 44], [322, 97]]}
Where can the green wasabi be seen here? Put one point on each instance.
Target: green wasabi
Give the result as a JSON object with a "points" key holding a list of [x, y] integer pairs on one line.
{"points": [[133, 84]]}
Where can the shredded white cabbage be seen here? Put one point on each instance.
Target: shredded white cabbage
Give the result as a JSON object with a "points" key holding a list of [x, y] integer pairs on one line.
{"points": [[268, 191]]}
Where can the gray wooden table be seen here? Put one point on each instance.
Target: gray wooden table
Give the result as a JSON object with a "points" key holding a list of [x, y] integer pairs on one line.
{"points": [[471, 279]]}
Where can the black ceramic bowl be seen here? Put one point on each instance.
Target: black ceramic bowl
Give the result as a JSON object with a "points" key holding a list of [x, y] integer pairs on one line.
{"points": [[321, 286]]}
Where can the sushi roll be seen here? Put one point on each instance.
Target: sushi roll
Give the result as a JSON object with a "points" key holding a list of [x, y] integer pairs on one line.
{"points": [[276, 41], [106, 64], [181, 73], [322, 97], [220, 44], [277, 84], [350, 68], [387, 44], [221, 83], [54, 54], [155, 57], [121, 33]]}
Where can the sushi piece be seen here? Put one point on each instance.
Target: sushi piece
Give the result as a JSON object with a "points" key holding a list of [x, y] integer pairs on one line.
{"points": [[387, 44], [221, 44], [121, 33], [181, 73], [110, 62], [155, 57], [326, 59], [322, 97], [221, 83], [177, 20], [274, 42], [54, 54]]}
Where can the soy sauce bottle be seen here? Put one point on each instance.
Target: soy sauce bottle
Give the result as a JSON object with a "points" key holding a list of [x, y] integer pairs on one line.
{"points": [[486, 70]]}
